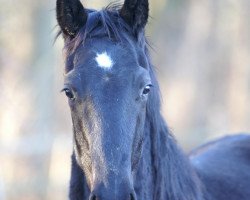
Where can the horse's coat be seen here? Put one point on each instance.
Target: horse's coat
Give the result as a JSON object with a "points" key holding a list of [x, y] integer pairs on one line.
{"points": [[123, 149]]}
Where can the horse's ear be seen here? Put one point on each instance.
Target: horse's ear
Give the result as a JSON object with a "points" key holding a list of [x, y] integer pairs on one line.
{"points": [[135, 13], [71, 16]]}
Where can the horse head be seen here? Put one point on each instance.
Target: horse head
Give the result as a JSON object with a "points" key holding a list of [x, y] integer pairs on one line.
{"points": [[108, 83]]}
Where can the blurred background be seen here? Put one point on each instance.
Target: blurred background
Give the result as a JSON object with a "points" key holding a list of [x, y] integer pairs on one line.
{"points": [[201, 50]]}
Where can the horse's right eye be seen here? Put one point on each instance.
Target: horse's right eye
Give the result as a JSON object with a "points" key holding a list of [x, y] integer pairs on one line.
{"points": [[69, 94]]}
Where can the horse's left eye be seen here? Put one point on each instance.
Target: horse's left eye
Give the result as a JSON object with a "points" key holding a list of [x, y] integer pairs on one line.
{"points": [[146, 89], [69, 94]]}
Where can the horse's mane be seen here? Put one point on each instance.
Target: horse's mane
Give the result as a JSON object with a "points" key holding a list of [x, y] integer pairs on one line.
{"points": [[172, 168], [174, 177]]}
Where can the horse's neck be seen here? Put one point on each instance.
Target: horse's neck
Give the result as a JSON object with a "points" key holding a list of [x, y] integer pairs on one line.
{"points": [[165, 172]]}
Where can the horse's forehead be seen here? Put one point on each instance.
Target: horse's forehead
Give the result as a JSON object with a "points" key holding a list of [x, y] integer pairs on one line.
{"points": [[109, 56]]}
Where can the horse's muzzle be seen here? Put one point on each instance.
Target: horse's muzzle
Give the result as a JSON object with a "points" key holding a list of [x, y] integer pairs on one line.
{"points": [[103, 193]]}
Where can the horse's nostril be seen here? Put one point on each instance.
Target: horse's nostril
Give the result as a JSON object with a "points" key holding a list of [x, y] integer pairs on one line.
{"points": [[132, 196], [93, 197]]}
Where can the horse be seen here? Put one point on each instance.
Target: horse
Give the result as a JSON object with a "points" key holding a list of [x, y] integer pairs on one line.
{"points": [[122, 147]]}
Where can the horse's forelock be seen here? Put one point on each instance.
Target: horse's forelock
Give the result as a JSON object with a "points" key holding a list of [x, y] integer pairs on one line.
{"points": [[108, 22]]}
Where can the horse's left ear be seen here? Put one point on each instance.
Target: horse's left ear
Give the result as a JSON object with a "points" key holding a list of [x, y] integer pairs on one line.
{"points": [[135, 13], [71, 16]]}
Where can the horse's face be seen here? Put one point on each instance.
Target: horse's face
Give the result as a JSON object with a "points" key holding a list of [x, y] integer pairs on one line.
{"points": [[107, 88]]}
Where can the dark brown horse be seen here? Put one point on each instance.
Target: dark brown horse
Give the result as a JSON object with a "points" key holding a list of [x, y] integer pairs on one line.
{"points": [[123, 149]]}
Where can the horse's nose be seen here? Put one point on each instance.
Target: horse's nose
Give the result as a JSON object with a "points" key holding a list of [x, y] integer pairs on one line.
{"points": [[104, 195]]}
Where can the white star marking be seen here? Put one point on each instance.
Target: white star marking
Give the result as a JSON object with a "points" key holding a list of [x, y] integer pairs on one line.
{"points": [[104, 61]]}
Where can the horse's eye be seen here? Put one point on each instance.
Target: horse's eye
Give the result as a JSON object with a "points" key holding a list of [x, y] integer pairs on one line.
{"points": [[69, 94], [147, 89]]}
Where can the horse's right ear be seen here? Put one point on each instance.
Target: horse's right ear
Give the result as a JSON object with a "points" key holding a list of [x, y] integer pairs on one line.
{"points": [[71, 16]]}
